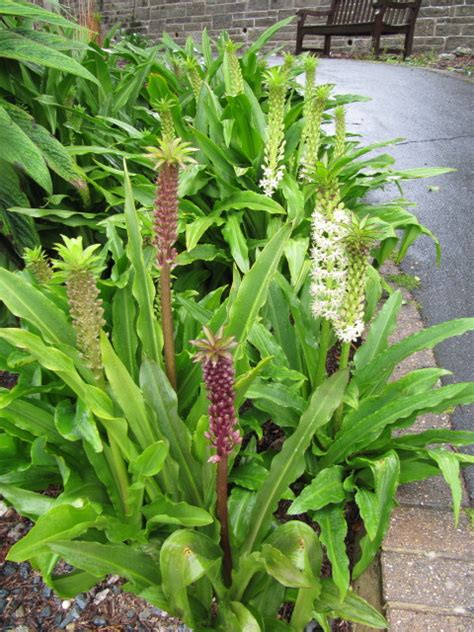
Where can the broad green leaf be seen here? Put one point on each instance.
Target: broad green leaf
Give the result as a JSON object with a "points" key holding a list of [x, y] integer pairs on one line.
{"points": [[33, 12], [438, 435], [164, 511], [142, 287], [299, 542], [124, 335], [368, 428], [333, 533], [241, 504], [160, 396], [25, 50], [185, 557], [247, 622], [448, 463], [353, 608], [386, 473], [283, 570], [196, 229], [78, 423], [26, 503], [63, 521], [55, 155], [70, 585], [289, 464], [20, 151], [234, 236], [249, 200], [267, 35], [253, 289], [296, 252], [105, 559], [379, 332], [128, 395], [324, 489], [151, 460], [28, 303], [370, 376]]}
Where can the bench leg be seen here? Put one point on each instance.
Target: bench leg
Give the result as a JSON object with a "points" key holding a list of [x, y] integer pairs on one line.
{"points": [[299, 41], [408, 43], [327, 46], [376, 45]]}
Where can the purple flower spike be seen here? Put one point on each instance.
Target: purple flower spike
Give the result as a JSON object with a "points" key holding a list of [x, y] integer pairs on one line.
{"points": [[214, 354]]}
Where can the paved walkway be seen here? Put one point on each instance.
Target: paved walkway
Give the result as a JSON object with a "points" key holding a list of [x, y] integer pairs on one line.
{"points": [[433, 112]]}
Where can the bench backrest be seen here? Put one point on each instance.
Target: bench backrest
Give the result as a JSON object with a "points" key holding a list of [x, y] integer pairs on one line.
{"points": [[362, 11]]}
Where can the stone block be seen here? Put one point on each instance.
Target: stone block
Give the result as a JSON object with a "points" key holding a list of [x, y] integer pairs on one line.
{"points": [[468, 29], [432, 492], [424, 26], [465, 10], [430, 532], [281, 4], [401, 620], [223, 21], [196, 8], [453, 42], [448, 29], [417, 580]]}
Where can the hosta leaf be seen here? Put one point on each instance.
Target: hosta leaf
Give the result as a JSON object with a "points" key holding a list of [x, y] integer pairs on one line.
{"points": [[19, 150], [333, 533], [289, 464], [26, 50], [104, 559], [324, 489]]}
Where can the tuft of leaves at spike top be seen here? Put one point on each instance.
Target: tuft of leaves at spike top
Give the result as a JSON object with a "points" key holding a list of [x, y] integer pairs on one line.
{"points": [[37, 263], [273, 168], [168, 158], [214, 352], [80, 268], [360, 236]]}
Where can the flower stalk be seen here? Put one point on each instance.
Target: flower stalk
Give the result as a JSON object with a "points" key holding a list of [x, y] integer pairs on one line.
{"points": [[169, 158], [312, 130], [37, 263], [214, 352], [340, 120], [235, 80]]}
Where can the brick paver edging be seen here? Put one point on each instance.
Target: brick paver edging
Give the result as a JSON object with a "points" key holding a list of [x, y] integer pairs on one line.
{"points": [[425, 579]]}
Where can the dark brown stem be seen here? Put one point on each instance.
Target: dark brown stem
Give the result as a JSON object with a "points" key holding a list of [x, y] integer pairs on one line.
{"points": [[167, 322], [224, 519]]}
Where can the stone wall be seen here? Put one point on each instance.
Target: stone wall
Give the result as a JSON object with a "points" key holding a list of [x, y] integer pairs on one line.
{"points": [[442, 25]]}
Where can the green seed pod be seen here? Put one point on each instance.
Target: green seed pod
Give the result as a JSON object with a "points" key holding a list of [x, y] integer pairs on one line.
{"points": [[340, 142]]}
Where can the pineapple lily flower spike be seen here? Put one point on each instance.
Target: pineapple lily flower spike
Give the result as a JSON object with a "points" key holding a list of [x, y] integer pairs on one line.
{"points": [[214, 352], [168, 158]]}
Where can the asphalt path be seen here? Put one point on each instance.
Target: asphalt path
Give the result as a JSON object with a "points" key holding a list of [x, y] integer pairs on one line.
{"points": [[434, 114]]}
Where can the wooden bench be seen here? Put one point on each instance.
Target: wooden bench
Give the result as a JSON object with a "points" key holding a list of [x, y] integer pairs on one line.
{"points": [[361, 18]]}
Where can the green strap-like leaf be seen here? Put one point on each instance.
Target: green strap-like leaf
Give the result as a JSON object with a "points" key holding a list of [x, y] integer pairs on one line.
{"points": [[449, 465], [252, 292], [333, 533], [289, 464], [324, 489], [353, 608], [23, 49]]}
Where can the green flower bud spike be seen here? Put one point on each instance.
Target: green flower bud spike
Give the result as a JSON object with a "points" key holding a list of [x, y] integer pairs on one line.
{"points": [[312, 131], [340, 143], [234, 80], [169, 158], [194, 77], [361, 234], [37, 263], [80, 268], [273, 169], [167, 125]]}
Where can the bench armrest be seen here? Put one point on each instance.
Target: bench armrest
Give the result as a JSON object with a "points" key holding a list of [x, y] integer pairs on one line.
{"points": [[303, 14]]}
